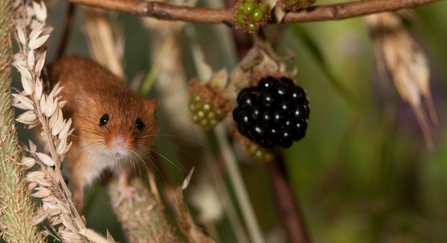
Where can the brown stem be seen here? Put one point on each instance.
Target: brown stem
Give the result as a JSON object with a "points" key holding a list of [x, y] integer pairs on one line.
{"points": [[242, 39], [213, 15], [286, 204], [68, 30]]}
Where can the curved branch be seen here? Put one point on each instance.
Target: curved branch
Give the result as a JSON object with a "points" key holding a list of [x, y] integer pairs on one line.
{"points": [[211, 15]]}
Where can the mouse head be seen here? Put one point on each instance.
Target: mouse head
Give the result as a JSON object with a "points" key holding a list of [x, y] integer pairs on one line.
{"points": [[116, 122]]}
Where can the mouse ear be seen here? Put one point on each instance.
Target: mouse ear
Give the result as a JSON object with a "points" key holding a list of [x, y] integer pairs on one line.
{"points": [[81, 99], [151, 105]]}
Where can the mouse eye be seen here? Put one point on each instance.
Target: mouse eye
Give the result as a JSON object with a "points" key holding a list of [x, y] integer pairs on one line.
{"points": [[139, 124], [103, 120]]}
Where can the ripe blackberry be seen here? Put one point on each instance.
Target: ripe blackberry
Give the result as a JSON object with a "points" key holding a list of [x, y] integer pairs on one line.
{"points": [[275, 112]]}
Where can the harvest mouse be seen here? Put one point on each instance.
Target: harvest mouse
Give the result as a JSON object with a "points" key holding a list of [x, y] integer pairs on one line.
{"points": [[114, 126]]}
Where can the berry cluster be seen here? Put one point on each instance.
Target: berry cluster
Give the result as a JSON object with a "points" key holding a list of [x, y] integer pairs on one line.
{"points": [[294, 5], [252, 14], [259, 154], [273, 112], [207, 115]]}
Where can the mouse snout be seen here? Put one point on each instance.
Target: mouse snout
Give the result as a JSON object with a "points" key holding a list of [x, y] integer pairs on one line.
{"points": [[119, 146]]}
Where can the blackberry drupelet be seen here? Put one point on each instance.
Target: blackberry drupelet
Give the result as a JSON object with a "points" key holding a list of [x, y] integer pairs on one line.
{"points": [[275, 112], [207, 115]]}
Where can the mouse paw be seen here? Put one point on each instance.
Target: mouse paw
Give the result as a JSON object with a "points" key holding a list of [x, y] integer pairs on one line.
{"points": [[126, 193]]}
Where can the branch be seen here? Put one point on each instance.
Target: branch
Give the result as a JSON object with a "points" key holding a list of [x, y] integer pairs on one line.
{"points": [[212, 15], [287, 206]]}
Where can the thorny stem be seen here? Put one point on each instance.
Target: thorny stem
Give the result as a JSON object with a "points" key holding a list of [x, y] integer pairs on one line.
{"points": [[286, 204], [209, 15]]}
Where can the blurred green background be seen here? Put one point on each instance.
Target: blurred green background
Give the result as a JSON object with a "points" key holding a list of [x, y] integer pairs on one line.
{"points": [[363, 172]]}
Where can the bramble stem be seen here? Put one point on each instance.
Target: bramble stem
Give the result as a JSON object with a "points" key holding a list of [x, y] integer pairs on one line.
{"points": [[165, 11]]}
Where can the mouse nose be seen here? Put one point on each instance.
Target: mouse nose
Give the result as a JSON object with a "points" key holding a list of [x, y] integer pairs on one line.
{"points": [[119, 145]]}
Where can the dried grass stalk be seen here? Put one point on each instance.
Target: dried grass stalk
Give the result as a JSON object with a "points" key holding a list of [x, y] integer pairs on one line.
{"points": [[398, 54], [17, 209], [144, 220], [184, 219], [44, 110]]}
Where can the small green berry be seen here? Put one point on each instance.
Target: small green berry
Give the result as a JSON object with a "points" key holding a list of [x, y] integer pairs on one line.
{"points": [[195, 118], [220, 113], [248, 7], [192, 107], [252, 149], [207, 108], [240, 17], [213, 122], [212, 115], [257, 14], [259, 155], [204, 123], [196, 98], [251, 27], [268, 157], [200, 115], [199, 106], [240, 7]]}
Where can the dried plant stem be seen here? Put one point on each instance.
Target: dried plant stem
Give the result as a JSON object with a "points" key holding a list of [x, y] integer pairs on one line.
{"points": [[286, 204], [239, 186], [145, 220], [208, 15], [17, 208]]}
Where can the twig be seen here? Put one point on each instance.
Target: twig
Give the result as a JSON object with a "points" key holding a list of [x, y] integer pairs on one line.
{"points": [[287, 207], [69, 22], [209, 15]]}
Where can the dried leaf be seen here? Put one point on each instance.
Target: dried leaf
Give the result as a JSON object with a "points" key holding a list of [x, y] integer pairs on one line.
{"points": [[40, 11], [30, 59], [28, 162], [54, 118], [187, 179], [36, 43], [32, 176], [43, 105], [40, 63], [21, 35], [58, 127], [279, 13], [24, 72], [39, 89], [26, 102], [32, 147], [62, 146], [45, 159], [28, 117], [42, 192], [63, 134]]}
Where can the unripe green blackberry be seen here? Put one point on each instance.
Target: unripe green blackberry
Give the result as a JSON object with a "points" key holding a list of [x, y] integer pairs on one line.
{"points": [[294, 5], [206, 106], [251, 14], [260, 154]]}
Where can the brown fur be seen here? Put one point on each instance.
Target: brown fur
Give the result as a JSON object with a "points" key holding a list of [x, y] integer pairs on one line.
{"points": [[92, 91]]}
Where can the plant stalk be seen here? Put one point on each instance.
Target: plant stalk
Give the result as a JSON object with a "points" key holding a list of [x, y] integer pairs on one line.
{"points": [[17, 208]]}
